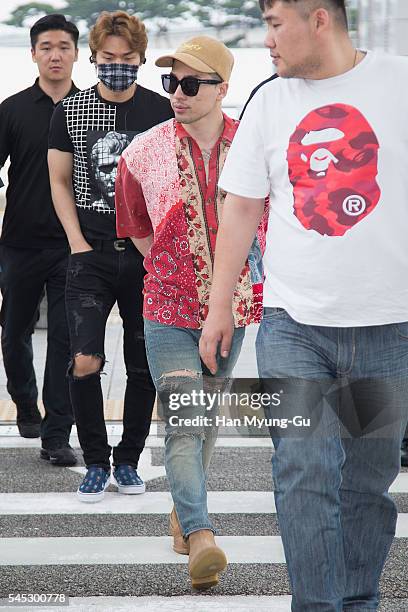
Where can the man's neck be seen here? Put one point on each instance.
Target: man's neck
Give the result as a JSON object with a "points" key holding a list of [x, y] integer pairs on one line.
{"points": [[338, 59], [206, 131], [116, 96], [56, 91]]}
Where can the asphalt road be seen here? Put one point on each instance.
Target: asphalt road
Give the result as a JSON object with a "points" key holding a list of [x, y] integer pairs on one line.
{"points": [[234, 469]]}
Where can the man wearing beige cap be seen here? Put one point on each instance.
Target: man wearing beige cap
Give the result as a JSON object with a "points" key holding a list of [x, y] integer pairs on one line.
{"points": [[168, 202]]}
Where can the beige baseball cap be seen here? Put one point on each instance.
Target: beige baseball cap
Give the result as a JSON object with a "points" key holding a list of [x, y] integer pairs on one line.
{"points": [[202, 53]]}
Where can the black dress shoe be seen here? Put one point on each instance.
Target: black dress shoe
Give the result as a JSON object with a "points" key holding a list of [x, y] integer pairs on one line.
{"points": [[59, 453], [28, 420], [404, 453]]}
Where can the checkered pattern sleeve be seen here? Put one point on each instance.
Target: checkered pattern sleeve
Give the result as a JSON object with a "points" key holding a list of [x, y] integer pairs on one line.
{"points": [[132, 218]]}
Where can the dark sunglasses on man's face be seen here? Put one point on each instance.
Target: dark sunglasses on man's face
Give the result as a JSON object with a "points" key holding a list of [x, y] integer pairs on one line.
{"points": [[189, 84]]}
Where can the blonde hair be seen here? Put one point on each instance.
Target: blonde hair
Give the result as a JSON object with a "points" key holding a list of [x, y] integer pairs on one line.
{"points": [[119, 23]]}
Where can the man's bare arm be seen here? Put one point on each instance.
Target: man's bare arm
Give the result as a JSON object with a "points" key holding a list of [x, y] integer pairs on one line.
{"points": [[143, 244], [60, 166], [239, 223]]}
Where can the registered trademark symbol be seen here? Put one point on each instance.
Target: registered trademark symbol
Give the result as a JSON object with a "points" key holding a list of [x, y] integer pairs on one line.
{"points": [[354, 205]]}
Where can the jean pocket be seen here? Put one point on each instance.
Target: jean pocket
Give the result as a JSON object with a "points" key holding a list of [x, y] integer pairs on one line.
{"points": [[402, 330], [273, 313], [81, 253]]}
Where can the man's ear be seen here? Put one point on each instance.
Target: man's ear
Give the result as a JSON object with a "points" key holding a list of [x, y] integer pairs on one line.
{"points": [[33, 55], [321, 19], [223, 90]]}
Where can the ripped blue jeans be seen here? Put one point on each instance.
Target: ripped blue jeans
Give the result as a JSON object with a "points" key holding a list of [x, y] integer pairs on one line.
{"points": [[180, 379]]}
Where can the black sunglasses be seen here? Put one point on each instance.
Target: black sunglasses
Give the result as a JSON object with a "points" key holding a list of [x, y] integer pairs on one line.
{"points": [[189, 84]]}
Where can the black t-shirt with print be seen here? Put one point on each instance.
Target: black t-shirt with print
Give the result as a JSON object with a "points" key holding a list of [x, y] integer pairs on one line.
{"points": [[96, 132]]}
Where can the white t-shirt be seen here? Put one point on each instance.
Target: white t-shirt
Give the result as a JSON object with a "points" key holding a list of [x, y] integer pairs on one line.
{"points": [[333, 155]]}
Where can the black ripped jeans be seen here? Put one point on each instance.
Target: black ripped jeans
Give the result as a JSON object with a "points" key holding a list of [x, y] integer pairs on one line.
{"points": [[95, 281]]}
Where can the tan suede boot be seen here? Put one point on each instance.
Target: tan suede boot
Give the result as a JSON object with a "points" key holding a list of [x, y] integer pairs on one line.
{"points": [[180, 545], [206, 559]]}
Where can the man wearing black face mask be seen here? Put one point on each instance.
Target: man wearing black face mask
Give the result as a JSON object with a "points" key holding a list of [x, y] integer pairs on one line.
{"points": [[87, 136]]}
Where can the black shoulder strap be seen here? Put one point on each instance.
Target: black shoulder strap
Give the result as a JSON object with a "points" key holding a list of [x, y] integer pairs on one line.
{"points": [[253, 92]]}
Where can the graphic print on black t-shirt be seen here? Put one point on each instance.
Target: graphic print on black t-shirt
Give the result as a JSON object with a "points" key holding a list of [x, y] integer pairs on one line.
{"points": [[96, 132], [333, 166], [104, 149]]}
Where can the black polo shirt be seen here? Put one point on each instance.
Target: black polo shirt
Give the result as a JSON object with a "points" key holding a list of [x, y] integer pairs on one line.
{"points": [[29, 219]]}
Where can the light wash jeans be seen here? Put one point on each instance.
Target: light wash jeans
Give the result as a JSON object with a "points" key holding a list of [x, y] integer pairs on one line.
{"points": [[336, 518], [176, 368]]}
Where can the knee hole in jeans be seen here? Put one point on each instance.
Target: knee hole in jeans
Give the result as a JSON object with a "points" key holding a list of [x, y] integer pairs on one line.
{"points": [[168, 378], [86, 365]]}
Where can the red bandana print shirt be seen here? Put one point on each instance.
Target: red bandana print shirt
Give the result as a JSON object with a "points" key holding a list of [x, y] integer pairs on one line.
{"points": [[162, 188]]}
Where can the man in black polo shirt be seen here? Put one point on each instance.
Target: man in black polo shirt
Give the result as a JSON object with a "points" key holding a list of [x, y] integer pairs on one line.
{"points": [[88, 133], [34, 250]]}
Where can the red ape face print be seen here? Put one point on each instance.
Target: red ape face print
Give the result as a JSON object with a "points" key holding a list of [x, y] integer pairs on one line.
{"points": [[333, 165]]}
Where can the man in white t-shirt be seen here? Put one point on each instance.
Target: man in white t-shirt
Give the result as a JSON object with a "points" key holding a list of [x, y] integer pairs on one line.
{"points": [[329, 146]]}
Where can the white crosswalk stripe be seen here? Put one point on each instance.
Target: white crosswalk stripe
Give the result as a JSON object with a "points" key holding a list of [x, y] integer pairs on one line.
{"points": [[194, 603], [223, 502], [219, 502], [135, 550], [9, 438]]}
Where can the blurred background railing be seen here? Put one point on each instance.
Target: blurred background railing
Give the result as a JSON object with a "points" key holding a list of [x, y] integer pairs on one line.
{"points": [[381, 24]]}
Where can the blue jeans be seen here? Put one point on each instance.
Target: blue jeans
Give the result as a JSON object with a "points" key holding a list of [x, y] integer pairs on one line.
{"points": [[176, 368], [336, 518]]}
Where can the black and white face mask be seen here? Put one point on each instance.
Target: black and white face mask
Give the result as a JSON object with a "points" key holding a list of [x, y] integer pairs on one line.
{"points": [[117, 77]]}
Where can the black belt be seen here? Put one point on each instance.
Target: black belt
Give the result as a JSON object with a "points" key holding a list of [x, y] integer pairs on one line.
{"points": [[120, 244]]}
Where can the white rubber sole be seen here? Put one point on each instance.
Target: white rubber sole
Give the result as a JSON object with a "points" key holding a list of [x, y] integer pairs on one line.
{"points": [[129, 489], [92, 498]]}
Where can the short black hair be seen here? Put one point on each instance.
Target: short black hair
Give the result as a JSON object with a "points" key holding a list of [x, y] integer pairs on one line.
{"points": [[53, 21], [339, 6]]}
